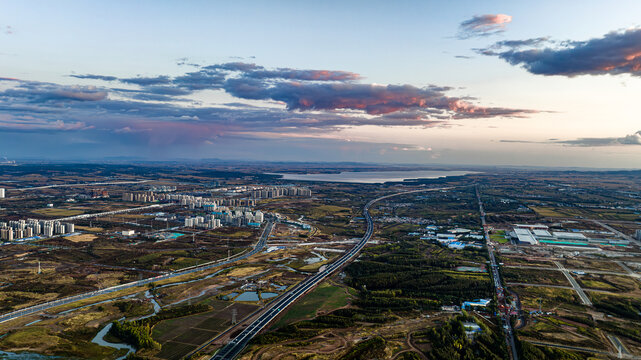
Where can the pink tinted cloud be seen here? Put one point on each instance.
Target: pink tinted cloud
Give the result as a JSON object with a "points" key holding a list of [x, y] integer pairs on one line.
{"points": [[483, 25]]}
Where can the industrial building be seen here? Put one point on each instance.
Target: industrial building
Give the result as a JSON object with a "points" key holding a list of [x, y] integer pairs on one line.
{"points": [[540, 235]]}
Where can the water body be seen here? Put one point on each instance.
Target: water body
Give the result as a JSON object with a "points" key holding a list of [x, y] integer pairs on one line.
{"points": [[4, 355], [314, 260], [268, 295], [230, 296], [375, 177], [247, 296], [99, 339], [279, 287]]}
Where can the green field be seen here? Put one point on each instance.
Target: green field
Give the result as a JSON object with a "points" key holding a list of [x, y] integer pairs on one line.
{"points": [[605, 214], [325, 297], [57, 212], [499, 237]]}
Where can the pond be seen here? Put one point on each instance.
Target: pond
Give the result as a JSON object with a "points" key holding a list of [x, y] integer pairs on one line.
{"points": [[4, 355], [230, 296], [268, 295], [247, 296]]}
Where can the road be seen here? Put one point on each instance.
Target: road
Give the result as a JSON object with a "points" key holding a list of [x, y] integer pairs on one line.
{"points": [[627, 237], [236, 345], [504, 309], [583, 349], [48, 305], [560, 287], [584, 298], [587, 271], [618, 345], [87, 216]]}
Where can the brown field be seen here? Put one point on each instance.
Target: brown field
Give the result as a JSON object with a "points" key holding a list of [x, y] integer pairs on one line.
{"points": [[81, 238]]}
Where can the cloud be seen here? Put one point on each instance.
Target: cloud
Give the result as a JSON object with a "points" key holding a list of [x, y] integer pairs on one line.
{"points": [[632, 139], [35, 92], [164, 111], [370, 98], [483, 25], [310, 75], [147, 81], [95, 77], [614, 53], [516, 44]]}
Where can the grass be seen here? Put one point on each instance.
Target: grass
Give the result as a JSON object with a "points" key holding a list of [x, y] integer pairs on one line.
{"points": [[499, 237], [529, 276], [551, 298], [605, 214], [320, 211], [57, 212], [325, 297], [43, 340]]}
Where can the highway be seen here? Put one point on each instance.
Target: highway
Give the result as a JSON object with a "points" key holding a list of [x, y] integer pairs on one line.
{"points": [[498, 286], [584, 298], [48, 305], [236, 345]]}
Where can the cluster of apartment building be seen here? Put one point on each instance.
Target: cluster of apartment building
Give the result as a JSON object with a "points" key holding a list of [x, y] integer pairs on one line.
{"points": [[236, 217], [280, 191], [162, 188], [191, 201], [20, 229]]}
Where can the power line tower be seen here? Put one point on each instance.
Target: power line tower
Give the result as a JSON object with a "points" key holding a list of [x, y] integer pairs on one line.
{"points": [[39, 268], [234, 313]]}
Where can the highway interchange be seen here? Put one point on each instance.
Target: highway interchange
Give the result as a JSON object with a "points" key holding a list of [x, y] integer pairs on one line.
{"points": [[236, 345]]}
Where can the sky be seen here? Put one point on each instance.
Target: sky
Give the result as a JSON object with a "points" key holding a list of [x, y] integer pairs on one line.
{"points": [[423, 82]]}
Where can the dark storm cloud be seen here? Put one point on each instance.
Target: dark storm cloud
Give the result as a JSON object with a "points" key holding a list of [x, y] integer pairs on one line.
{"points": [[483, 25], [614, 53]]}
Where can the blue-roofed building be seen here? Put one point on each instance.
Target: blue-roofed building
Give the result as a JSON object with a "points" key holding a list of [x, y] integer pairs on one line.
{"points": [[456, 245], [475, 304]]}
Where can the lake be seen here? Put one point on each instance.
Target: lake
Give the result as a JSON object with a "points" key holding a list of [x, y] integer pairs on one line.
{"points": [[375, 177]]}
